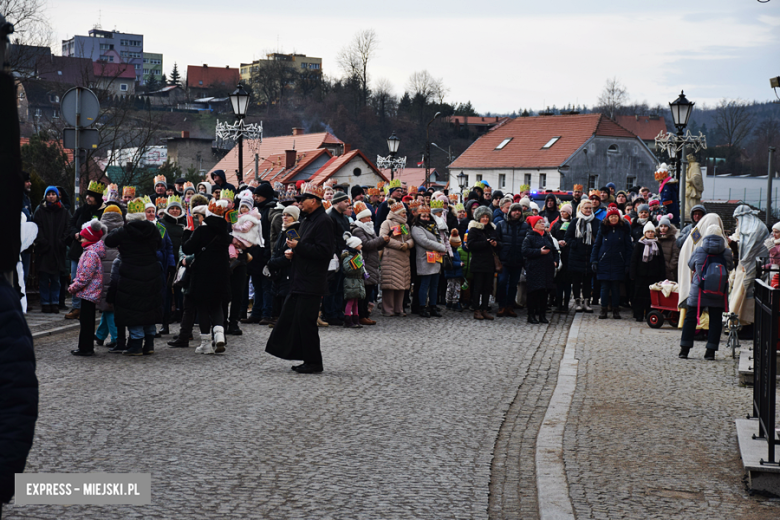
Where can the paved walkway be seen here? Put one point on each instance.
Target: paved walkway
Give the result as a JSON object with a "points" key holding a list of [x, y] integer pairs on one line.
{"points": [[413, 418], [47, 324]]}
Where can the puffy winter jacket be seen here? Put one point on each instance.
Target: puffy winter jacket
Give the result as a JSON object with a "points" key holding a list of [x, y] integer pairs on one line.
{"points": [[539, 268], [654, 270], [88, 284], [396, 271], [457, 264], [425, 241], [372, 244], [50, 244], [481, 249], [712, 249], [112, 222], [354, 286], [511, 234], [668, 245], [612, 251], [579, 251]]}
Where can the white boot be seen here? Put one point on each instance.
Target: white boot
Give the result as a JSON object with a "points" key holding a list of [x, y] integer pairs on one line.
{"points": [[205, 344], [577, 305], [586, 305], [219, 338]]}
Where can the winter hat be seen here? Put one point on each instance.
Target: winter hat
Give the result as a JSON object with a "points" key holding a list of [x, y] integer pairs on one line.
{"points": [[504, 200], [112, 208], [532, 220], [655, 202], [534, 206], [92, 231], [498, 194], [356, 190], [407, 199], [611, 185], [292, 210], [481, 212], [567, 208], [664, 221], [339, 197], [174, 201], [265, 190], [612, 211], [776, 226], [52, 188], [361, 210], [517, 198], [516, 206], [648, 227], [643, 207], [455, 240], [352, 241], [526, 202]]}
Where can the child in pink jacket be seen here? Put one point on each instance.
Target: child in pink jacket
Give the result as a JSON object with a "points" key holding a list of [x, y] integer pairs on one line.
{"points": [[89, 283]]}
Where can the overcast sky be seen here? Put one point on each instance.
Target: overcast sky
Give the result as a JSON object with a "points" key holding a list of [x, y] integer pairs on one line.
{"points": [[500, 55]]}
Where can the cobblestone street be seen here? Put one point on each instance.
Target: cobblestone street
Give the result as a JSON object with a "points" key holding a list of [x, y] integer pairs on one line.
{"points": [[412, 418]]}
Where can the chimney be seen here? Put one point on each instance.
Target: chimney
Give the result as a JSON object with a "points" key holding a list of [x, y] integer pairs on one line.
{"points": [[185, 134], [347, 148], [289, 159], [298, 131], [205, 66]]}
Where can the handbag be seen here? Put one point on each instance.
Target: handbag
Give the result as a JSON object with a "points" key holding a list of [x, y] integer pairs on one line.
{"points": [[497, 262], [447, 264]]}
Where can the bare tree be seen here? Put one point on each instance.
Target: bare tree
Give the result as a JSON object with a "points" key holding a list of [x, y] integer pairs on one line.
{"points": [[383, 100], [734, 121], [32, 37], [612, 98], [440, 91], [421, 84], [355, 57]]}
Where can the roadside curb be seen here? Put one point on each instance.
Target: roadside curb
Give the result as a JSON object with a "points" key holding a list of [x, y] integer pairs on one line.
{"points": [[56, 330], [551, 484]]}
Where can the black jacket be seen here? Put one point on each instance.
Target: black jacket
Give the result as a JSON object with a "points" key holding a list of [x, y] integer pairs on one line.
{"points": [[211, 276], [511, 234], [579, 251], [52, 238], [138, 298], [340, 226], [481, 249], [279, 265], [652, 271], [539, 268], [550, 214], [175, 227], [267, 210], [18, 388], [309, 270], [82, 215]]}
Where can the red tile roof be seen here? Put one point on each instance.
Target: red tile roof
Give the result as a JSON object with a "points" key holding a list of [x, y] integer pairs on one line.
{"points": [[104, 69], [336, 163], [273, 168], [271, 146], [475, 120], [646, 127], [204, 77], [410, 176], [528, 137]]}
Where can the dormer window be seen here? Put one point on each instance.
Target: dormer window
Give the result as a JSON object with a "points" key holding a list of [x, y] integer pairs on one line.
{"points": [[503, 143], [613, 148], [551, 142]]}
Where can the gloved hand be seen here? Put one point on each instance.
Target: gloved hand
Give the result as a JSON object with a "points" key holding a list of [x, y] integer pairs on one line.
{"points": [[594, 266]]}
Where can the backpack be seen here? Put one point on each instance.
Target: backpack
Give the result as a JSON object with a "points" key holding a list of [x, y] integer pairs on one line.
{"points": [[714, 280]]}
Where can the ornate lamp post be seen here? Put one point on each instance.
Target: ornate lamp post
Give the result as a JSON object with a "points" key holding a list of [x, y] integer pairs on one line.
{"points": [[239, 102], [462, 181], [393, 143], [428, 149]]}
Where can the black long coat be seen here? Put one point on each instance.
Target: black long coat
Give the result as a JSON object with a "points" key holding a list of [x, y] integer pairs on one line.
{"points": [[511, 234], [138, 299], [579, 251], [279, 265], [482, 260], [82, 215], [539, 268], [211, 276], [52, 238], [652, 271], [612, 251], [309, 270]]}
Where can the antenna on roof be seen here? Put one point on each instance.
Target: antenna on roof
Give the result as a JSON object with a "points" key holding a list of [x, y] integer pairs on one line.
{"points": [[293, 144]]}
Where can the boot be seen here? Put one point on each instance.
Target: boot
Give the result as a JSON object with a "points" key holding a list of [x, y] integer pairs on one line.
{"points": [[586, 306], [233, 329], [219, 339], [434, 312], [367, 321], [54, 309], [356, 322], [478, 315], [710, 354], [164, 330], [487, 316], [99, 341], [603, 313], [180, 341], [616, 314], [577, 305], [148, 348], [73, 314], [205, 344], [119, 347], [347, 321], [532, 317], [509, 312], [423, 312], [135, 347], [683, 352], [542, 318], [501, 312]]}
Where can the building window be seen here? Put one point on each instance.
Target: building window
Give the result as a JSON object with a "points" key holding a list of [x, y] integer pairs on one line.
{"points": [[106, 47], [356, 172], [138, 66], [527, 179], [501, 180], [479, 178], [593, 182], [303, 65], [613, 148], [630, 181], [551, 142], [503, 143], [56, 114], [123, 87], [542, 181]]}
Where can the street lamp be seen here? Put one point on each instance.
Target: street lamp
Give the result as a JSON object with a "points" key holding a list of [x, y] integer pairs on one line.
{"points": [[239, 102], [428, 149], [391, 162], [462, 180], [681, 110]]}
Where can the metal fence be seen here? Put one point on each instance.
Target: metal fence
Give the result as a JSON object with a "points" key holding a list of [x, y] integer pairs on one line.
{"points": [[765, 340]]}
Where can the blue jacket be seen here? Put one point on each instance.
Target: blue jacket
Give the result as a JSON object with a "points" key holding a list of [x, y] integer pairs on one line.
{"points": [[612, 251], [600, 213], [714, 247], [511, 235], [498, 216], [457, 263]]}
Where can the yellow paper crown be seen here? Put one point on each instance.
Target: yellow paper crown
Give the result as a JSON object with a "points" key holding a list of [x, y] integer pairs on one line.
{"points": [[96, 187], [136, 206], [187, 186], [161, 202], [437, 204], [174, 199], [479, 184], [147, 201], [525, 187], [459, 207], [160, 179], [227, 195]]}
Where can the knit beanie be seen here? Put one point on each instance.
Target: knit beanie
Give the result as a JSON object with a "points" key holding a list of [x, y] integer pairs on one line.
{"points": [[526, 202], [455, 240], [92, 231], [356, 191], [265, 190], [293, 211], [655, 202], [532, 220], [52, 188], [567, 208], [776, 226], [112, 208], [648, 227], [504, 200], [612, 211], [352, 241], [664, 221], [534, 206], [516, 207], [339, 197], [643, 207]]}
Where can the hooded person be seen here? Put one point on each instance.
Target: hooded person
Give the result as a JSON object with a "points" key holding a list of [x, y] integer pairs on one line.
{"points": [[550, 210], [751, 235], [709, 224], [220, 181], [204, 188], [484, 245], [50, 246], [666, 233], [697, 212]]}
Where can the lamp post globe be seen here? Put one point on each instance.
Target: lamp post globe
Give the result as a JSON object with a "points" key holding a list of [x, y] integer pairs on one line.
{"points": [[462, 180], [681, 110], [393, 142], [239, 101]]}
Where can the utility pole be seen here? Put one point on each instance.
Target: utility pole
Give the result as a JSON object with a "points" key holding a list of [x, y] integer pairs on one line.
{"points": [[769, 175]]}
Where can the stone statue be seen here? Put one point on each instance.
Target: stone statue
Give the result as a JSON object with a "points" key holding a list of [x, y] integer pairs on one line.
{"points": [[694, 184]]}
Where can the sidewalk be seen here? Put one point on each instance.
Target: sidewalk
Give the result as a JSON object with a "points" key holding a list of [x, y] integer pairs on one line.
{"points": [[47, 324]]}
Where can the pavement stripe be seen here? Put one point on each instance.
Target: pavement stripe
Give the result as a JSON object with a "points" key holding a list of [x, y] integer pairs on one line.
{"points": [[551, 483]]}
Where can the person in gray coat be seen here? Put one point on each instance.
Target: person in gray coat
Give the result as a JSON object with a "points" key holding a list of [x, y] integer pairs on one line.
{"points": [[363, 228], [429, 251]]}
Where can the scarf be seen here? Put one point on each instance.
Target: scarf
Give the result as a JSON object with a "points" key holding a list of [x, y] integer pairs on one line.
{"points": [[642, 221], [52, 205], [368, 227], [584, 229], [651, 248]]}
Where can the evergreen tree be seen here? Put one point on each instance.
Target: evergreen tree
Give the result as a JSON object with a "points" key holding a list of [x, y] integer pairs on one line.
{"points": [[175, 76], [152, 84]]}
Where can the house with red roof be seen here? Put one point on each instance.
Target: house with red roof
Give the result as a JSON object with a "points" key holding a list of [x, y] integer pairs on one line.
{"points": [[556, 152], [474, 124], [117, 79], [352, 168], [204, 81], [646, 127], [415, 177]]}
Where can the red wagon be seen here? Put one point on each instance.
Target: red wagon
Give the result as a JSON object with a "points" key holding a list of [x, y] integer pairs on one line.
{"points": [[664, 308]]}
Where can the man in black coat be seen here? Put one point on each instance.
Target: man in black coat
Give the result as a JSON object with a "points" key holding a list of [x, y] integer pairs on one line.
{"points": [[511, 233], [295, 335], [333, 304]]}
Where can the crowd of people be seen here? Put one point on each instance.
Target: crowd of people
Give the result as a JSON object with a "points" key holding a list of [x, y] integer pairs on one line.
{"points": [[303, 256]]}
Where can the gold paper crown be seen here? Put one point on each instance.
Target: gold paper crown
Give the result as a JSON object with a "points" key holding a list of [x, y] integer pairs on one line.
{"points": [[160, 179], [147, 200], [227, 195], [577, 187], [174, 199], [525, 187], [359, 207], [373, 192], [398, 206], [136, 206], [594, 192], [161, 202], [96, 187], [414, 206], [113, 187], [437, 204], [479, 184], [453, 197], [459, 207], [423, 209], [310, 188], [128, 191], [187, 185], [326, 204], [216, 208], [380, 185]]}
